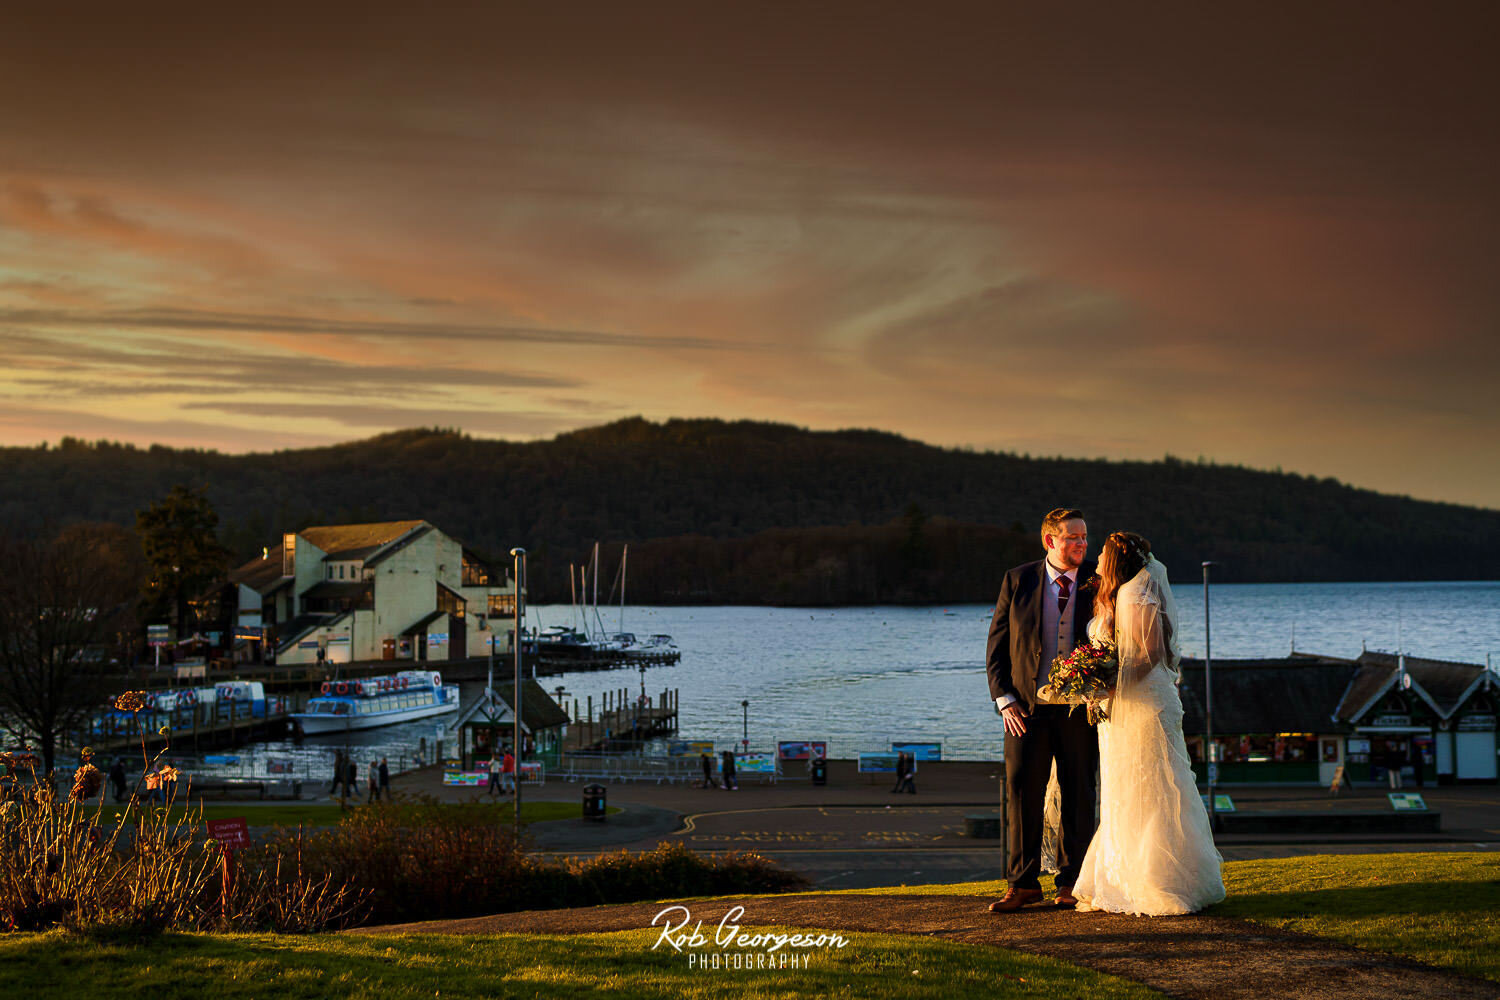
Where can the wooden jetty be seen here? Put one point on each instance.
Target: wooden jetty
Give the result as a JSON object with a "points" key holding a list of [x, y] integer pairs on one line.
{"points": [[620, 718], [123, 735], [306, 678]]}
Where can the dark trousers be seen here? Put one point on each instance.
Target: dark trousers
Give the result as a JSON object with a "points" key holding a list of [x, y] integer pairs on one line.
{"points": [[1051, 731]]}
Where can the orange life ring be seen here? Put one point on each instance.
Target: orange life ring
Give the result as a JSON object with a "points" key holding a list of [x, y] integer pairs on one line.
{"points": [[403, 683], [327, 687], [437, 679], [341, 687], [187, 699]]}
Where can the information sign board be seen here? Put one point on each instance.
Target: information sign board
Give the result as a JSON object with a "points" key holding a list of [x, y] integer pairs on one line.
{"points": [[802, 749], [1407, 802], [232, 834], [919, 751], [755, 763]]}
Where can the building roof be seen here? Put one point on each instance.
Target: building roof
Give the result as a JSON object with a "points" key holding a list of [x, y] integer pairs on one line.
{"points": [[260, 574], [289, 632], [538, 710], [1295, 694], [339, 589], [1446, 682], [420, 625], [358, 541]]}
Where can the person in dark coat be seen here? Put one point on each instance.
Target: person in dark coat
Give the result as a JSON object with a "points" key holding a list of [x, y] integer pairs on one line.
{"points": [[708, 771], [906, 766], [117, 778], [351, 777], [338, 771], [726, 769], [385, 780]]}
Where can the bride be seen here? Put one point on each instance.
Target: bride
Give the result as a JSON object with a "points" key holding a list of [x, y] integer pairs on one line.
{"points": [[1153, 853]]}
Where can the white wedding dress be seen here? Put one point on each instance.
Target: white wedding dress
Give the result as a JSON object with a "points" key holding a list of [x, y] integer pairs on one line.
{"points": [[1153, 853]]}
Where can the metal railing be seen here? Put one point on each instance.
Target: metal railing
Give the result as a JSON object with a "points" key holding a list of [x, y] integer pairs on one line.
{"points": [[623, 768]]}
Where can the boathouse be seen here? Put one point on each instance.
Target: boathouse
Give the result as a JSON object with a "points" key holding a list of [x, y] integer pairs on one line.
{"points": [[487, 726], [1296, 720], [393, 590]]}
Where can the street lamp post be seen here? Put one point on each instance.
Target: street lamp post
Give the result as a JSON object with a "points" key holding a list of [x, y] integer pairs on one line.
{"points": [[746, 742], [519, 555], [1211, 751]]}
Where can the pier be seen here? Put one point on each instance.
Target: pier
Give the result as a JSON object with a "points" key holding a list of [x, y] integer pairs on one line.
{"points": [[619, 719], [188, 729], [306, 677]]}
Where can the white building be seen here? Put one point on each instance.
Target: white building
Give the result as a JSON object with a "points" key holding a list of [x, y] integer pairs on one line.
{"points": [[397, 590]]}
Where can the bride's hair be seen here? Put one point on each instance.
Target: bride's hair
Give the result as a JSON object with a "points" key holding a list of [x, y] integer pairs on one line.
{"points": [[1123, 556]]}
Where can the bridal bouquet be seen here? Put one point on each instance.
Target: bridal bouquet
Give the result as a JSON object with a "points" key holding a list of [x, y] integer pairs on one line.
{"points": [[1084, 677]]}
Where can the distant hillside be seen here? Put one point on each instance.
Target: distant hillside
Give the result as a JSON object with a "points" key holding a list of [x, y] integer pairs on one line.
{"points": [[768, 513]]}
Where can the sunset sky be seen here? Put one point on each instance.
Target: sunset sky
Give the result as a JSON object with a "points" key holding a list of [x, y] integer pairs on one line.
{"points": [[1259, 237]]}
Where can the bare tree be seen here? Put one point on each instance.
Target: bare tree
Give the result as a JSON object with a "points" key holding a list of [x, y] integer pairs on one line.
{"points": [[63, 605]]}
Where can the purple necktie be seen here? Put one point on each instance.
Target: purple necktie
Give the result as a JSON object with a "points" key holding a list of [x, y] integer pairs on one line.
{"points": [[1064, 588]]}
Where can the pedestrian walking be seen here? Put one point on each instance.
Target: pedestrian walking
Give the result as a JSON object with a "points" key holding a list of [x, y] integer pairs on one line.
{"points": [[385, 780], [117, 779], [372, 793], [494, 786], [351, 777], [708, 771], [338, 771], [726, 771], [508, 772]]}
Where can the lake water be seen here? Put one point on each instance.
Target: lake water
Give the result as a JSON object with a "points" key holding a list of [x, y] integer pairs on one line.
{"points": [[862, 677]]}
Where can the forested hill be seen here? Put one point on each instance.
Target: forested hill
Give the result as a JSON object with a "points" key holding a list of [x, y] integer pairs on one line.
{"points": [[761, 512]]}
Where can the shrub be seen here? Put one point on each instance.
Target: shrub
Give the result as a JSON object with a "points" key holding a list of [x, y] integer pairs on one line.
{"points": [[421, 860]]}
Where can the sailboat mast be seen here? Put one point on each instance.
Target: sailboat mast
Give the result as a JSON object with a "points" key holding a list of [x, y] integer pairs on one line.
{"points": [[624, 558], [596, 591]]}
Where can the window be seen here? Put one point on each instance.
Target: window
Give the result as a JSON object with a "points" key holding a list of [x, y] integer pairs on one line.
{"points": [[449, 602], [289, 554], [341, 571], [502, 605], [475, 573]]}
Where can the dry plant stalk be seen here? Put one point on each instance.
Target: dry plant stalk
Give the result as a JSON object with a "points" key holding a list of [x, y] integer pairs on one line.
{"points": [[62, 862]]}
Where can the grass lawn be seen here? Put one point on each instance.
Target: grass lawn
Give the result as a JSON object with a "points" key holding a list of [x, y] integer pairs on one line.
{"points": [[329, 814], [1437, 908], [606, 966]]}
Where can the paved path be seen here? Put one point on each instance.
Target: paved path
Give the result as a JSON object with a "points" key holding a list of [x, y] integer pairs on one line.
{"points": [[1190, 957]]}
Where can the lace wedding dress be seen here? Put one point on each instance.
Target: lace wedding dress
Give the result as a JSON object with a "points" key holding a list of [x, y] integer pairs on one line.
{"points": [[1153, 853]]}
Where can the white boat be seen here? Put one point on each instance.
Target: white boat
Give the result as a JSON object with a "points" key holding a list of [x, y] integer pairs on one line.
{"points": [[376, 701]]}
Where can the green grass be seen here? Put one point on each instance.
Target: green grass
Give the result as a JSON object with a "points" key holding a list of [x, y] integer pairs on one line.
{"points": [[604, 966], [1437, 908], [329, 814]]}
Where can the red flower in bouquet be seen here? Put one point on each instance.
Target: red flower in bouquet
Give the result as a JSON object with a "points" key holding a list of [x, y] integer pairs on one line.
{"points": [[1084, 677]]}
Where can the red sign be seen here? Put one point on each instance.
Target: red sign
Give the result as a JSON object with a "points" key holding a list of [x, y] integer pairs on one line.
{"points": [[232, 834]]}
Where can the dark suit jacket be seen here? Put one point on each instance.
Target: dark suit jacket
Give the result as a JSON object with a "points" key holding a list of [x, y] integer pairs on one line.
{"points": [[1015, 650]]}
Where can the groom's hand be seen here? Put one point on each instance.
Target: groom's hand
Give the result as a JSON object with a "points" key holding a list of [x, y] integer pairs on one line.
{"points": [[1015, 719]]}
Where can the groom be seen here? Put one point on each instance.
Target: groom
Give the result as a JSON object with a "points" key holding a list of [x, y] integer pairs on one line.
{"points": [[1043, 610]]}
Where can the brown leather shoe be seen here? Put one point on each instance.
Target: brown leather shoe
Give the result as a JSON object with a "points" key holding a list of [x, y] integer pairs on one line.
{"points": [[1014, 899], [1065, 898]]}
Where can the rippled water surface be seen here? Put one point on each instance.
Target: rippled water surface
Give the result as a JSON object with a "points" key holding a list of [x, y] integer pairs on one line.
{"points": [[862, 677]]}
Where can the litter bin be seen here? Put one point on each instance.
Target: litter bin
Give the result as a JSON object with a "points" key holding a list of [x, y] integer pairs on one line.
{"points": [[820, 772], [593, 802]]}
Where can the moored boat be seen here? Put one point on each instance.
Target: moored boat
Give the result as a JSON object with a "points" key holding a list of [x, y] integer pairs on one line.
{"points": [[367, 702]]}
